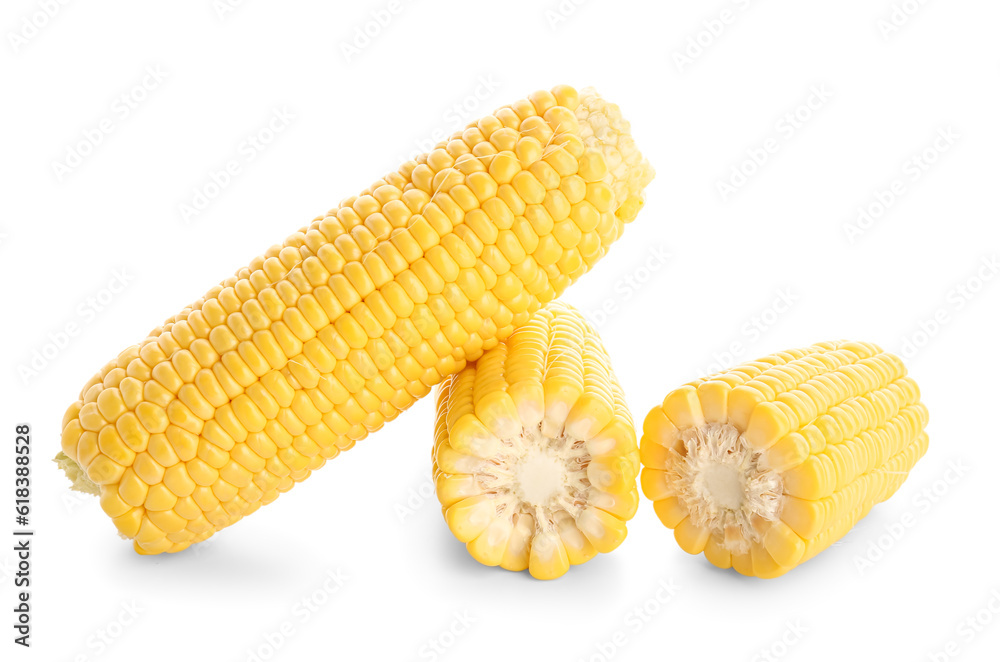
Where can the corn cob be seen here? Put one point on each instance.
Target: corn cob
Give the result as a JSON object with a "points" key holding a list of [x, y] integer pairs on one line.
{"points": [[763, 466], [535, 457], [324, 338]]}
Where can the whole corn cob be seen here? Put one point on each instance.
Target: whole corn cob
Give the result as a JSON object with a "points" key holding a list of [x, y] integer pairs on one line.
{"points": [[325, 337], [763, 466], [535, 456]]}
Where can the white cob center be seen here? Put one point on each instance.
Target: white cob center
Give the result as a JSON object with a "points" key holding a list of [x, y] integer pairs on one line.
{"points": [[540, 475], [723, 484]]}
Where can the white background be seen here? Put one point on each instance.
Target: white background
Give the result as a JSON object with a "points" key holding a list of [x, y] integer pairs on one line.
{"points": [[886, 95]]}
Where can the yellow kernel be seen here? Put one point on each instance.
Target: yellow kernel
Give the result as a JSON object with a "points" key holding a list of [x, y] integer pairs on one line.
{"points": [[537, 128], [180, 416], [110, 404], [574, 188], [482, 185], [528, 151], [562, 120], [600, 195], [567, 233], [248, 413], [111, 444], [565, 96], [528, 188], [132, 432], [593, 167], [152, 417], [131, 488], [178, 481], [148, 469], [183, 443], [585, 215], [103, 470], [504, 166], [548, 251], [159, 498]]}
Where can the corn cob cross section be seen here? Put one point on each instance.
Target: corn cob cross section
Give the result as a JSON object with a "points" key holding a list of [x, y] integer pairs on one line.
{"points": [[763, 466], [535, 456], [324, 338]]}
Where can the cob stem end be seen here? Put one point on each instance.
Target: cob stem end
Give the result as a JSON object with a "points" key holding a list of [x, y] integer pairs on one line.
{"points": [[77, 476]]}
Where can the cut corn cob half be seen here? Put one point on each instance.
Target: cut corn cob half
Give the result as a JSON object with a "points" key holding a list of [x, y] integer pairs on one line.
{"points": [[535, 456], [763, 466], [324, 338]]}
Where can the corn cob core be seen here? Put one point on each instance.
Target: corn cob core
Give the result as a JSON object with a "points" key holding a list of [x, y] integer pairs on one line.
{"points": [[726, 483], [325, 337], [764, 466], [535, 456]]}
